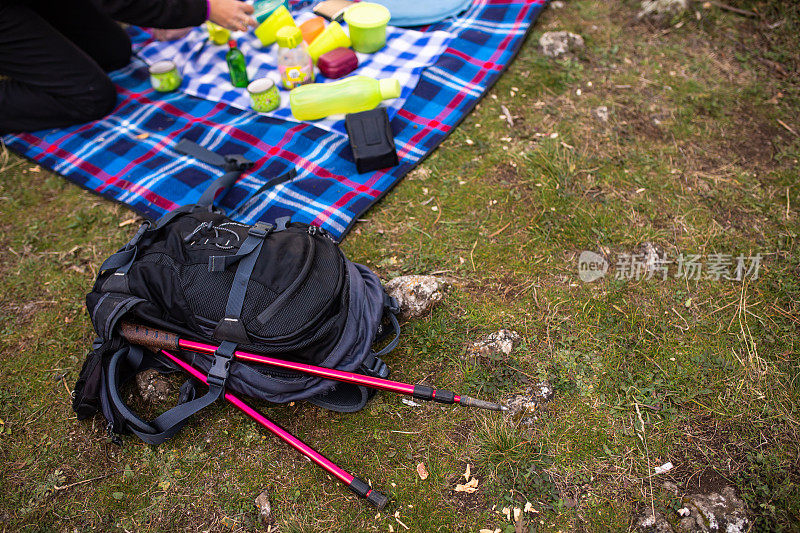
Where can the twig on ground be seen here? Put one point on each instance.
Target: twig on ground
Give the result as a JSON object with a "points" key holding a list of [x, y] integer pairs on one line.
{"points": [[472, 253], [498, 232], [788, 128], [65, 487], [732, 9]]}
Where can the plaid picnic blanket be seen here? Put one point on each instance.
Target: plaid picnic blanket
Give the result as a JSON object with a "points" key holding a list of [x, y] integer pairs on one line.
{"points": [[205, 72], [129, 157]]}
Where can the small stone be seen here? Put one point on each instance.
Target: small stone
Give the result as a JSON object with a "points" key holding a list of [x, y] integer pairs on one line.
{"points": [[670, 486], [662, 10], [522, 407], [417, 295], [152, 386], [653, 257], [654, 523], [601, 113], [557, 4], [265, 509], [559, 43], [495, 345]]}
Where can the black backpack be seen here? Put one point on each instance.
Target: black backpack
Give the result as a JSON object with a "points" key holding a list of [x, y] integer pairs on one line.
{"points": [[283, 290]]}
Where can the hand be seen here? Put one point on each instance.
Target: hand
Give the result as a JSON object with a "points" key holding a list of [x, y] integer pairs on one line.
{"points": [[231, 14], [170, 35]]}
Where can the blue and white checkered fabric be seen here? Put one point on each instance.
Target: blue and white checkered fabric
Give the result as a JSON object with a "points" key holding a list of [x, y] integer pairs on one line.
{"points": [[205, 73], [128, 156]]}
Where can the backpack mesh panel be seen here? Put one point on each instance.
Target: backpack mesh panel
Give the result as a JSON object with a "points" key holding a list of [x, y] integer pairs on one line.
{"points": [[205, 295]]}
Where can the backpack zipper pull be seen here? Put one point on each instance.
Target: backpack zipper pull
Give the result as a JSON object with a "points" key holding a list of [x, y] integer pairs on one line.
{"points": [[202, 227]]}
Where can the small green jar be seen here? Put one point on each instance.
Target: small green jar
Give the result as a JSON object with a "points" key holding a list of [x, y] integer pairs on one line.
{"points": [[164, 76], [264, 96]]}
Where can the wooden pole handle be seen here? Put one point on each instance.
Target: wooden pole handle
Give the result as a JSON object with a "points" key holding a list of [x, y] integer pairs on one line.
{"points": [[152, 338]]}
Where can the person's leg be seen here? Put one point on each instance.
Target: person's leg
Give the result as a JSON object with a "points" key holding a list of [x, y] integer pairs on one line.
{"points": [[93, 31], [51, 81]]}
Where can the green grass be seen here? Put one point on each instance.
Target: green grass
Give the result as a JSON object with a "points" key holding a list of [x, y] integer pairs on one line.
{"points": [[700, 373]]}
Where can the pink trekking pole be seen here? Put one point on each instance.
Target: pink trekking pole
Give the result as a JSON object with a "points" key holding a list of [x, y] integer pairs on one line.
{"points": [[157, 339], [357, 485]]}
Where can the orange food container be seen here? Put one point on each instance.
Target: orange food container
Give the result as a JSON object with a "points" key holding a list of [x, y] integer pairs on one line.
{"points": [[311, 28]]}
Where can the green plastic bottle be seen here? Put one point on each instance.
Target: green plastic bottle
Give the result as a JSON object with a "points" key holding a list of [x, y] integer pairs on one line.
{"points": [[349, 95], [236, 65]]}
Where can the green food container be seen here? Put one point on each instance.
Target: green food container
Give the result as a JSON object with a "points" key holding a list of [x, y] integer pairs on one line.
{"points": [[264, 95], [164, 76], [367, 25]]}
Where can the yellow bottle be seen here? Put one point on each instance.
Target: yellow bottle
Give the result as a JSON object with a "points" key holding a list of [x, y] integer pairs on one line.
{"points": [[349, 95]]}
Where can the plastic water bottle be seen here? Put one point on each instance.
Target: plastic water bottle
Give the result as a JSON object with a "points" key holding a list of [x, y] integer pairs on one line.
{"points": [[349, 95], [236, 65], [294, 61]]}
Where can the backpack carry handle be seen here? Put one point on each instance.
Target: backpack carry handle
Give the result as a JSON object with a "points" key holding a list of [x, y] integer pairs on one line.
{"points": [[234, 165]]}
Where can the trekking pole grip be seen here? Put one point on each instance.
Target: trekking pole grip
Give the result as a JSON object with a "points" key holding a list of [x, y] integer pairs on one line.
{"points": [[152, 338]]}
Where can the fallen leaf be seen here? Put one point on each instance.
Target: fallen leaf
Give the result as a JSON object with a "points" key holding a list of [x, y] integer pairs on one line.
{"points": [[666, 467], [467, 473], [469, 487], [422, 471], [143, 136], [127, 222]]}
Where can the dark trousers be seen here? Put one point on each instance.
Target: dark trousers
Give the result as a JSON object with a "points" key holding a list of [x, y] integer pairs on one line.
{"points": [[55, 56]]}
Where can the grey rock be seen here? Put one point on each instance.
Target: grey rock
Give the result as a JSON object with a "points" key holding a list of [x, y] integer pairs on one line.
{"points": [[152, 386], [417, 295], [265, 510], [559, 43], [522, 407], [495, 345], [716, 512], [601, 113], [659, 10]]}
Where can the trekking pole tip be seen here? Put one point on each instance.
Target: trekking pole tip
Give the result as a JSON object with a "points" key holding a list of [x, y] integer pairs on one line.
{"points": [[378, 499], [483, 404]]}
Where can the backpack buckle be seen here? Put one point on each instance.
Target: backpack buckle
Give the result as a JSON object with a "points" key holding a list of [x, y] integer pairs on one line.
{"points": [[237, 162], [218, 373], [260, 229], [375, 367]]}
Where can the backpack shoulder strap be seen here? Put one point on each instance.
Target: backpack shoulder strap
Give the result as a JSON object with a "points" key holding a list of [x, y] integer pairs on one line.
{"points": [[170, 422]]}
